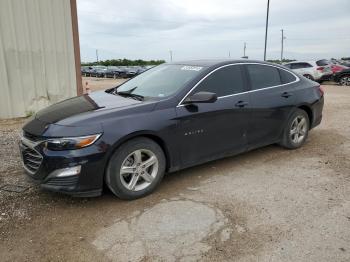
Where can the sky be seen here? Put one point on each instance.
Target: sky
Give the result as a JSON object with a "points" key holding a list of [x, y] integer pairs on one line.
{"points": [[205, 29]]}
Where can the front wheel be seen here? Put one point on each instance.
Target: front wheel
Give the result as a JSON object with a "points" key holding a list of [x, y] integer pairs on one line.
{"points": [[296, 130], [135, 169]]}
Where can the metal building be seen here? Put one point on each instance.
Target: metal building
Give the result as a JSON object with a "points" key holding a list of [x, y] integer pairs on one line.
{"points": [[39, 55]]}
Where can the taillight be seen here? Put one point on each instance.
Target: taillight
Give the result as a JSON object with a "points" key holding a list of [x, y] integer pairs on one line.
{"points": [[320, 68], [320, 89]]}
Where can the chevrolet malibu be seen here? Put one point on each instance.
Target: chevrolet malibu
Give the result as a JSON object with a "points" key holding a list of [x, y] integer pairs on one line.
{"points": [[168, 118]]}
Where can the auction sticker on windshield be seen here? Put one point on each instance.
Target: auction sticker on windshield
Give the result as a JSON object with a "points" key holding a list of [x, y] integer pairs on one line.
{"points": [[193, 68]]}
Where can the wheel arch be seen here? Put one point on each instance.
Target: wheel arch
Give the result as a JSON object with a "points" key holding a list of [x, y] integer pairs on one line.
{"points": [[341, 75], [308, 110], [147, 134]]}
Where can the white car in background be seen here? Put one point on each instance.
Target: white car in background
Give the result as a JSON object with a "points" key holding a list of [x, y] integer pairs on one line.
{"points": [[314, 70]]}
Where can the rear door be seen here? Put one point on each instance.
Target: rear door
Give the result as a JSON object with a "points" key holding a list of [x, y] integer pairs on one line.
{"points": [[210, 130], [272, 98], [302, 68]]}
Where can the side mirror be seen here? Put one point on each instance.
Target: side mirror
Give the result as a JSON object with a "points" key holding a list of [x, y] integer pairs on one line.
{"points": [[201, 97]]}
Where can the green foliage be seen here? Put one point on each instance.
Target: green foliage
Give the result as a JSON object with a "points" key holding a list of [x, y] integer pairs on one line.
{"points": [[29, 113], [124, 62]]}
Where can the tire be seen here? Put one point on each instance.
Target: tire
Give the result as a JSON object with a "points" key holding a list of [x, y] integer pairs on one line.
{"points": [[344, 80], [309, 77], [132, 157], [295, 133]]}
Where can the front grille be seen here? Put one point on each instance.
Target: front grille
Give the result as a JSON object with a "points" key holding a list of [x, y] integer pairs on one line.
{"points": [[31, 158]]}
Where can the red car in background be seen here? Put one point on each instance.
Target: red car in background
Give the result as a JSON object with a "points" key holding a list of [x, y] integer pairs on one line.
{"points": [[335, 67]]}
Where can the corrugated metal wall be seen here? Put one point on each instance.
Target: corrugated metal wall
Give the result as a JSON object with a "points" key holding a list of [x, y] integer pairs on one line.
{"points": [[37, 66]]}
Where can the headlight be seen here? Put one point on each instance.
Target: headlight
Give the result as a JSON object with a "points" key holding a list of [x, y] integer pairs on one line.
{"points": [[70, 143]]}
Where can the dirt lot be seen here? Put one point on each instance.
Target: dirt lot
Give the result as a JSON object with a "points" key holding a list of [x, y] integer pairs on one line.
{"points": [[267, 205], [95, 84]]}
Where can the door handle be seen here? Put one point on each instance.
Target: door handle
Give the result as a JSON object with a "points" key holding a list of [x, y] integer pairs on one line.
{"points": [[241, 104], [286, 94]]}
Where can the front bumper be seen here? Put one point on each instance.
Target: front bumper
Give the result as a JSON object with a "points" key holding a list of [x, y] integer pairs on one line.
{"points": [[42, 164]]}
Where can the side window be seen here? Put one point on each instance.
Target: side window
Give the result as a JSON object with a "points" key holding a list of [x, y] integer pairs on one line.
{"points": [[225, 81], [294, 66], [262, 76], [286, 77], [306, 65]]}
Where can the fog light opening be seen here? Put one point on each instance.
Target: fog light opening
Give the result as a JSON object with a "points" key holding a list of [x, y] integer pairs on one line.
{"points": [[64, 172]]}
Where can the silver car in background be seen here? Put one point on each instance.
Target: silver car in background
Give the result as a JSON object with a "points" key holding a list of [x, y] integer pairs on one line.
{"points": [[315, 70]]}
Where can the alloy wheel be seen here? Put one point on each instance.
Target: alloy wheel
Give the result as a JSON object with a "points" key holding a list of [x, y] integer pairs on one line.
{"points": [[139, 169], [345, 81], [298, 129]]}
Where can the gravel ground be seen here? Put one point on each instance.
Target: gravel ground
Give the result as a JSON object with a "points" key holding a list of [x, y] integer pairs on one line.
{"points": [[270, 204], [95, 84]]}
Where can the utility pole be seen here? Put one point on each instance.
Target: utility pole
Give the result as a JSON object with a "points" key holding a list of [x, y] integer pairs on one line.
{"points": [[229, 54], [244, 49], [171, 55], [96, 55], [267, 24], [282, 42]]}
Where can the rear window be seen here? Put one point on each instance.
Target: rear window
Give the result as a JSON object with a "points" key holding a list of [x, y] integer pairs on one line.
{"points": [[322, 62], [300, 65], [262, 76], [286, 77]]}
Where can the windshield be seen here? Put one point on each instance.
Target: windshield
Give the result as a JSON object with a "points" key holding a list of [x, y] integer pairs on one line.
{"points": [[160, 81]]}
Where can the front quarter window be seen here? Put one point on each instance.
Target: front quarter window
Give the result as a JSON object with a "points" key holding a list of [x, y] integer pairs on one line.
{"points": [[161, 81]]}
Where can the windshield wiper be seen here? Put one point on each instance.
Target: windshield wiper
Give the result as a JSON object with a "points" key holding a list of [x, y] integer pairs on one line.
{"points": [[125, 92], [128, 94]]}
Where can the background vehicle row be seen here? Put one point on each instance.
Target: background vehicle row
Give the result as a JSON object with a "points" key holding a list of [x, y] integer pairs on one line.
{"points": [[320, 70], [113, 71]]}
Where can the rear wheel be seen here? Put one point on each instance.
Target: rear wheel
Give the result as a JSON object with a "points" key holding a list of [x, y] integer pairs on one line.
{"points": [[135, 169], [309, 77], [296, 130], [345, 80]]}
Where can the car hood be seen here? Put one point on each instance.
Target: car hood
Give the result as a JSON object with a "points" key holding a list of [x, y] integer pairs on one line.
{"points": [[80, 105], [84, 115]]}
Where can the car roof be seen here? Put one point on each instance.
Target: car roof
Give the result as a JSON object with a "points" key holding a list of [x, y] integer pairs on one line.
{"points": [[295, 62], [218, 62]]}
